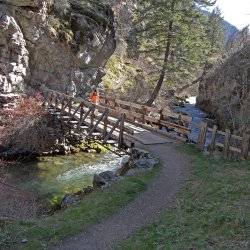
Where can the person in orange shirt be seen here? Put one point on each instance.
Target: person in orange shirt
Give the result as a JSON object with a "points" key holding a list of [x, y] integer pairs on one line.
{"points": [[94, 97]]}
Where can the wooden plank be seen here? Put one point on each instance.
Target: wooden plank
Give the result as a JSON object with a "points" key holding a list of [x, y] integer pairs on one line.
{"points": [[97, 123], [75, 111], [84, 117], [126, 128], [202, 136], [213, 139], [161, 132], [231, 148], [227, 143], [111, 131], [245, 146]]}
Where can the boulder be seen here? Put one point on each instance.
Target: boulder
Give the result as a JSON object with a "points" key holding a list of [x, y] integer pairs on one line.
{"points": [[98, 181], [124, 165], [103, 179], [69, 200]]}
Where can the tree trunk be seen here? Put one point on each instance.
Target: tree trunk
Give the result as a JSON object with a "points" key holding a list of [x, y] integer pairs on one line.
{"points": [[166, 58]]}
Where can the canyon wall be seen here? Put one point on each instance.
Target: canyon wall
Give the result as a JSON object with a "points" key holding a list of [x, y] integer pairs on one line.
{"points": [[225, 91], [46, 42]]}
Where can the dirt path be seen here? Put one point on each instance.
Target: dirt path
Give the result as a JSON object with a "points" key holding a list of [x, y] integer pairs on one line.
{"points": [[142, 211]]}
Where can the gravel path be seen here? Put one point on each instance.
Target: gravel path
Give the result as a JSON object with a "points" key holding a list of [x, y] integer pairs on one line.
{"points": [[142, 211]]}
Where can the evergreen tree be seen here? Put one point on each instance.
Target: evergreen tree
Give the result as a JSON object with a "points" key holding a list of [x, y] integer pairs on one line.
{"points": [[215, 32], [172, 33]]}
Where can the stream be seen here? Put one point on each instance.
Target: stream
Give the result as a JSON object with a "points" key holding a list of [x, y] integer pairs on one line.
{"points": [[198, 116], [50, 178]]}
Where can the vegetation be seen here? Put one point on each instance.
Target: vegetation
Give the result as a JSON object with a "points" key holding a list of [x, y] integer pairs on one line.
{"points": [[211, 212], [43, 231], [172, 33]]}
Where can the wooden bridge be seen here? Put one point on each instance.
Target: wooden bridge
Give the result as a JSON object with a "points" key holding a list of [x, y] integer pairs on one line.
{"points": [[115, 121], [119, 122]]}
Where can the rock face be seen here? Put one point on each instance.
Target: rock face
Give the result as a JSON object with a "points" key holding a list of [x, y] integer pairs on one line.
{"points": [[53, 42], [225, 92]]}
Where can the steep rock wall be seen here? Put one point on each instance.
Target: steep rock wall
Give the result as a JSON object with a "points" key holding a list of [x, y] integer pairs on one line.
{"points": [[53, 42], [225, 92]]}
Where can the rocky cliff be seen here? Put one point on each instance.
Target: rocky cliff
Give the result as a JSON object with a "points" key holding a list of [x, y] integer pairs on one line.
{"points": [[225, 91], [53, 42]]}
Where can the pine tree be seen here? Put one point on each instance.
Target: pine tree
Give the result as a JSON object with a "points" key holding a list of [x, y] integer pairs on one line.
{"points": [[215, 32], [172, 33]]}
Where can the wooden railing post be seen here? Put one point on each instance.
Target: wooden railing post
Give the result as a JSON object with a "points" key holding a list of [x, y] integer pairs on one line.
{"points": [[245, 146], [161, 118], [202, 136], [62, 103], [70, 105], [227, 143], [213, 139], [144, 114], [105, 123], [92, 116], [56, 101], [121, 136], [81, 111]]}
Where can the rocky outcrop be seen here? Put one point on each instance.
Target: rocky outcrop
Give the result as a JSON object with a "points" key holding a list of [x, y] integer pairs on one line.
{"points": [[225, 91], [53, 42]]}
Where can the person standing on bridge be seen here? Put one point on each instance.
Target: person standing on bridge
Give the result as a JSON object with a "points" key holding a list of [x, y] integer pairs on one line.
{"points": [[94, 96]]}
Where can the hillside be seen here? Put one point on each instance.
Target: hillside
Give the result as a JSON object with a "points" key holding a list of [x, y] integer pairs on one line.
{"points": [[225, 91]]}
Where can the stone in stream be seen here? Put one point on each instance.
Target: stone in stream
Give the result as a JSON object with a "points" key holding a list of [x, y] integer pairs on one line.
{"points": [[103, 178], [124, 165], [70, 199]]}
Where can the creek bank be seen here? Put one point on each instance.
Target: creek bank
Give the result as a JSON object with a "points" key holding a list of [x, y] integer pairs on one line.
{"points": [[138, 161], [45, 135]]}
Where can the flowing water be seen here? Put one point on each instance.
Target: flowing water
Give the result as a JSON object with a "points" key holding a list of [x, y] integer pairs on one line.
{"points": [[198, 116], [52, 177]]}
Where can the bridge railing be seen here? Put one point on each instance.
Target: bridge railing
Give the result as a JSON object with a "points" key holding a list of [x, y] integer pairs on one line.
{"points": [[140, 115], [149, 115]]}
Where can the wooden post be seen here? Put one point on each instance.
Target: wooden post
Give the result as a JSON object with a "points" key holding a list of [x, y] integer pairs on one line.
{"points": [[144, 114], [161, 118], [213, 139], [106, 101], [202, 136], [92, 116], [245, 146], [62, 103], [121, 137], [70, 106], [81, 111], [56, 101], [227, 143], [105, 123], [51, 100]]}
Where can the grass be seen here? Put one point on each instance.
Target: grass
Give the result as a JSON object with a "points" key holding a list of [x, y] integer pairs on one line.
{"points": [[211, 212], [42, 232]]}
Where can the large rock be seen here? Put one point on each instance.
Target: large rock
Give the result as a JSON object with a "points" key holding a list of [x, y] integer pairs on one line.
{"points": [[103, 178], [52, 42]]}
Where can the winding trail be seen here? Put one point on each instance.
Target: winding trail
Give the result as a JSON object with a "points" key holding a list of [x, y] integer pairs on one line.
{"points": [[145, 209]]}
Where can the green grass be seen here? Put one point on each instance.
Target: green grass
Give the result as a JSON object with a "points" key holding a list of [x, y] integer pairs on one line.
{"points": [[211, 212], [45, 231]]}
